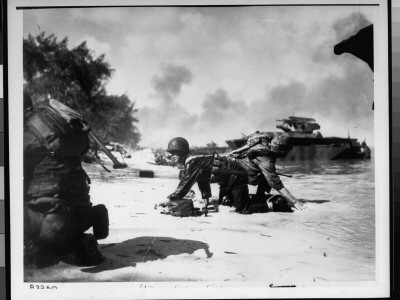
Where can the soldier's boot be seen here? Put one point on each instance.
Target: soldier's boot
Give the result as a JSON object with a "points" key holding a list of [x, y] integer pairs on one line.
{"points": [[100, 222], [84, 251], [36, 257]]}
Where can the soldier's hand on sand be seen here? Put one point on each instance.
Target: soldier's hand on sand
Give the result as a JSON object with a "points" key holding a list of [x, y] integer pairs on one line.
{"points": [[298, 205]]}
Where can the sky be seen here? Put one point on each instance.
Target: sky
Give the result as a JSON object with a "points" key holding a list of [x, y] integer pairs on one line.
{"points": [[215, 73]]}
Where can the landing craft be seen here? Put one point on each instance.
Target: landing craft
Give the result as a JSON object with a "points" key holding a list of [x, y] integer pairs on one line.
{"points": [[310, 145], [209, 149]]}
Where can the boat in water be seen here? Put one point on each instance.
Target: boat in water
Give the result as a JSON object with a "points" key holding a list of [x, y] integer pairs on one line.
{"points": [[309, 144], [211, 148]]}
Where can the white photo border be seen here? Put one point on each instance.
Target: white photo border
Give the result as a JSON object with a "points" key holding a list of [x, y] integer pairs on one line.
{"points": [[178, 290]]}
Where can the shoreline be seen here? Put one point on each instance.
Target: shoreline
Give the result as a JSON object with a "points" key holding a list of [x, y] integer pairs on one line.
{"points": [[222, 247]]}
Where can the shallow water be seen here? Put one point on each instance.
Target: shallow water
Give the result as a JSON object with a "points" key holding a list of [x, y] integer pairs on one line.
{"points": [[349, 217]]}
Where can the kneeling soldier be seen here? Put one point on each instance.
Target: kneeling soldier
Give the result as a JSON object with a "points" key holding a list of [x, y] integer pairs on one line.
{"points": [[57, 207]]}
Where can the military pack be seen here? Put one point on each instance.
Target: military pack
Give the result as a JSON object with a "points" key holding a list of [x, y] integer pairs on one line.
{"points": [[56, 128], [55, 137]]}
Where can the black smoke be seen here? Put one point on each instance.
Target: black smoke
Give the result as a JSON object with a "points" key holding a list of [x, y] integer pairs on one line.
{"points": [[167, 118], [168, 85]]}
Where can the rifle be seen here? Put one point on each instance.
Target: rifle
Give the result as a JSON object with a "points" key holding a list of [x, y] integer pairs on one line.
{"points": [[235, 172], [117, 164], [66, 112], [286, 175], [228, 172]]}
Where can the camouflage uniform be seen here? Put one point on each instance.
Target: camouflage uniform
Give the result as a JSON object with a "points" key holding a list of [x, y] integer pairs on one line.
{"points": [[261, 169], [259, 163], [234, 192]]}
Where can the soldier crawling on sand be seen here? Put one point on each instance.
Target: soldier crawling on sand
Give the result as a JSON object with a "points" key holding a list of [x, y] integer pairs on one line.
{"points": [[253, 164], [257, 160], [197, 169]]}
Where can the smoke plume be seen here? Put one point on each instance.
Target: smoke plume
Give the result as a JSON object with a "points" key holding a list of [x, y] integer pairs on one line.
{"points": [[169, 84]]}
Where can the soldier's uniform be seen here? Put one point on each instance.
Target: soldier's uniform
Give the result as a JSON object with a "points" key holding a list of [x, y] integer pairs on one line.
{"points": [[259, 164], [57, 207], [197, 169]]}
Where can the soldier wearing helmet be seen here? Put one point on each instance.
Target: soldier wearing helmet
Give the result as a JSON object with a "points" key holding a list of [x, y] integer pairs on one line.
{"points": [[197, 169], [259, 162], [179, 149], [280, 145]]}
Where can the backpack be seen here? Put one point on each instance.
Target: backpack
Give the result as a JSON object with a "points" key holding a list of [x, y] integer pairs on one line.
{"points": [[57, 128], [55, 137], [181, 207]]}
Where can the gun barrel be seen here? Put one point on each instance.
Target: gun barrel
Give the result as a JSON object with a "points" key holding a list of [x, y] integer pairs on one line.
{"points": [[286, 175], [117, 164], [229, 172]]}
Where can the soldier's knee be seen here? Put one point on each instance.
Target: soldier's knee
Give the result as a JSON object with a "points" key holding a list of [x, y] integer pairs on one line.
{"points": [[100, 222]]}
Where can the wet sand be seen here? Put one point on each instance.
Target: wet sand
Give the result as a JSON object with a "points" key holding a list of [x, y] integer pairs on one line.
{"points": [[223, 247]]}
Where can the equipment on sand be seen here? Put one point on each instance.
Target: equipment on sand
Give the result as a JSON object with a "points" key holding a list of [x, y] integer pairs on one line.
{"points": [[117, 164], [146, 173], [183, 208]]}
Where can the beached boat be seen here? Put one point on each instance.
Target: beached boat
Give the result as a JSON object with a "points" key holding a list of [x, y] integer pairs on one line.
{"points": [[309, 144], [209, 149]]}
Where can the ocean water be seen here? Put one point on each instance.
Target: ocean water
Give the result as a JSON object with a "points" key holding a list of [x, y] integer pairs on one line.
{"points": [[349, 216]]}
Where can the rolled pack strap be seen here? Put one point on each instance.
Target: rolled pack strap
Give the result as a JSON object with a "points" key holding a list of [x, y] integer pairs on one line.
{"points": [[47, 205], [50, 205]]}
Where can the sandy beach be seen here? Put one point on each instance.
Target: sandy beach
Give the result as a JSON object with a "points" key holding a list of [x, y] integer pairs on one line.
{"points": [[223, 247]]}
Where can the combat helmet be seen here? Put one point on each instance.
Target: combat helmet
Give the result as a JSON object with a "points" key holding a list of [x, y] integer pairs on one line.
{"points": [[178, 144], [280, 145]]}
